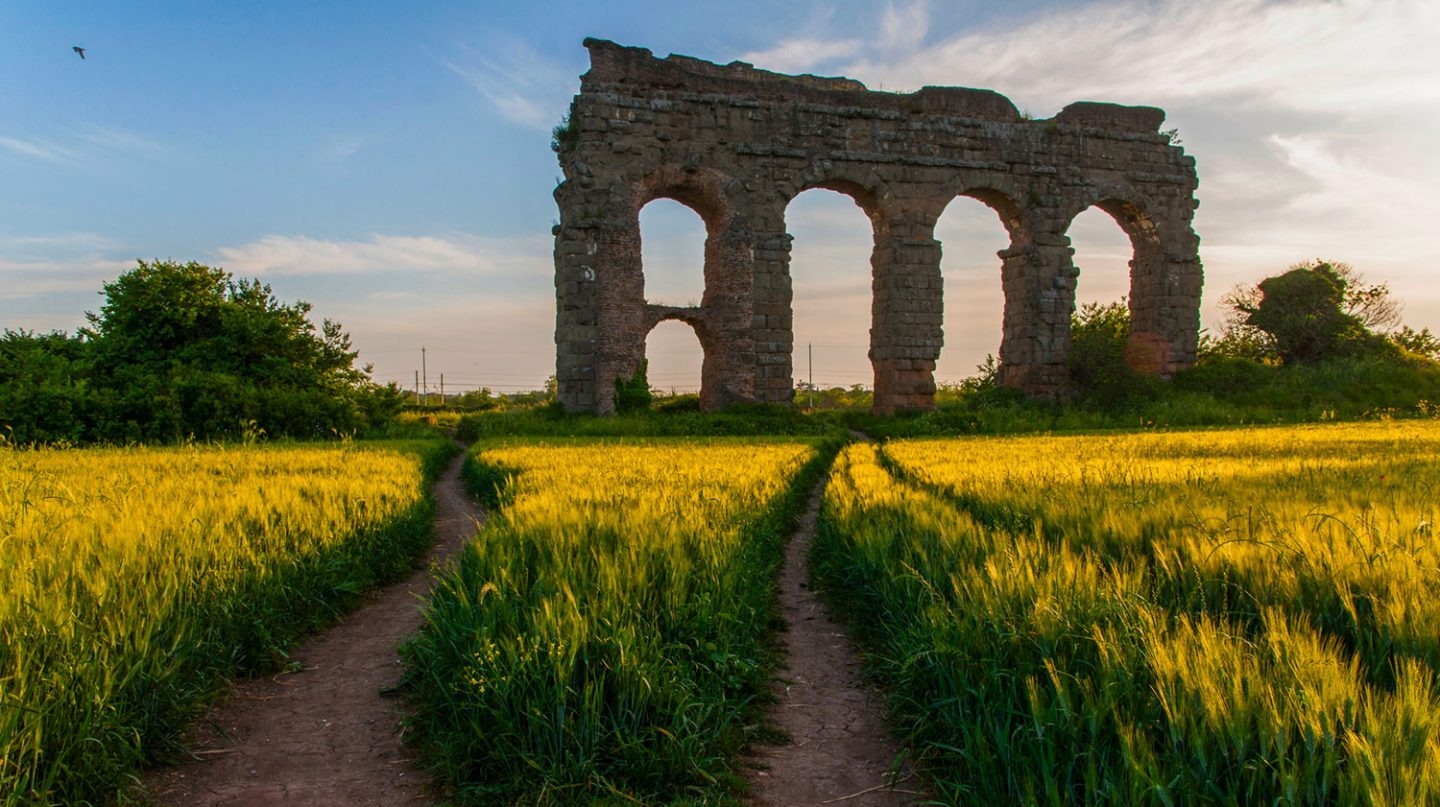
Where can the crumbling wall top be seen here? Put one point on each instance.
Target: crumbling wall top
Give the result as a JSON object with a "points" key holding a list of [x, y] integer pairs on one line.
{"points": [[613, 65], [1096, 115], [620, 64]]}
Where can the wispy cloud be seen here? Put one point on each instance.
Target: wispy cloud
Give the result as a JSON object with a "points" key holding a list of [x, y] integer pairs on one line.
{"points": [[38, 149], [54, 264], [899, 27], [1311, 55], [803, 54], [302, 255], [904, 26], [339, 148], [85, 144], [523, 86], [1308, 117], [116, 140]]}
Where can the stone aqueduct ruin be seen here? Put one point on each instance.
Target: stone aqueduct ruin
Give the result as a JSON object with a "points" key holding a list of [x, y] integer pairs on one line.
{"points": [[736, 144]]}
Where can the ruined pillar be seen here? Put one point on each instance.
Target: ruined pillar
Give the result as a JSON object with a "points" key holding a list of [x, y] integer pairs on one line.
{"points": [[728, 373], [1180, 284], [907, 315], [1039, 283], [772, 320]]}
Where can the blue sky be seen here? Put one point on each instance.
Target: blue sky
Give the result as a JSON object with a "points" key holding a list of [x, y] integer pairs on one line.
{"points": [[390, 162]]}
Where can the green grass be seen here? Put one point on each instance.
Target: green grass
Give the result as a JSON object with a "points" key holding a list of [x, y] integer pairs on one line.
{"points": [[609, 636], [136, 582], [736, 421], [1229, 617]]}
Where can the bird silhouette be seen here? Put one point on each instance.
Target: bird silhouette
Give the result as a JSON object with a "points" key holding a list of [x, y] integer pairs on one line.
{"points": [[79, 50]]}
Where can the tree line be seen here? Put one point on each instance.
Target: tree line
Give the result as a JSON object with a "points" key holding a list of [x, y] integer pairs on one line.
{"points": [[186, 351], [1316, 314]]}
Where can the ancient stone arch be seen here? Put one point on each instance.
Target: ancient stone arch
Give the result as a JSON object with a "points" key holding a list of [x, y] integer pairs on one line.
{"points": [[736, 144]]}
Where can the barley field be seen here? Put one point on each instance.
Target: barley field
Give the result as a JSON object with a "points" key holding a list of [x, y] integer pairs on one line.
{"points": [[1220, 617], [606, 637], [135, 581]]}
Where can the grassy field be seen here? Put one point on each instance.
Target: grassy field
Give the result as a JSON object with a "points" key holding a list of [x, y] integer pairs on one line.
{"points": [[1227, 617], [133, 582], [1230, 616], [607, 636]]}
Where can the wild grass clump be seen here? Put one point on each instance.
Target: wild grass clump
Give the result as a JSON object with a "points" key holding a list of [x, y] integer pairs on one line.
{"points": [[609, 633], [133, 582], [680, 420], [1232, 617]]}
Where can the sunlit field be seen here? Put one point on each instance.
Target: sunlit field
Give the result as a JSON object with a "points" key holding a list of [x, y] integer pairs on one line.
{"points": [[134, 581], [1228, 617], [609, 632]]}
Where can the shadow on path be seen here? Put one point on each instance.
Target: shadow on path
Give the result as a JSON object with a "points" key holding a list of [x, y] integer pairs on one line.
{"points": [[839, 751], [325, 735]]}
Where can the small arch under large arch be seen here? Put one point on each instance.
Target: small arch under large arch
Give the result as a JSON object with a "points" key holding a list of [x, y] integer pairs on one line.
{"points": [[674, 357]]}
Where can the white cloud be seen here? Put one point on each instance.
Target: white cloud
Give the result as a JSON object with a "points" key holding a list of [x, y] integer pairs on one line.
{"points": [[124, 141], [38, 149], [301, 255], [904, 27], [84, 144], [339, 148], [523, 86], [802, 54], [31, 278], [1348, 56], [62, 263]]}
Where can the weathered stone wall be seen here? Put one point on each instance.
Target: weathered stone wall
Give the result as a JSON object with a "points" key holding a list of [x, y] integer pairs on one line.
{"points": [[736, 144]]}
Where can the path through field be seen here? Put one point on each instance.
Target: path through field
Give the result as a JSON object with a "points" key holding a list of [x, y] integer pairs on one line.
{"points": [[324, 735], [839, 752]]}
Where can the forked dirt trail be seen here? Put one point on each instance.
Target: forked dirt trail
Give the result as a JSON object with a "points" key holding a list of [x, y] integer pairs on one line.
{"points": [[839, 752], [324, 735]]}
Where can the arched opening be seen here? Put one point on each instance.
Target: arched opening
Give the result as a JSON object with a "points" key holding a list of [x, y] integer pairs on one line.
{"points": [[1116, 252], [672, 253], [972, 234], [674, 355], [672, 258], [830, 275], [1102, 254]]}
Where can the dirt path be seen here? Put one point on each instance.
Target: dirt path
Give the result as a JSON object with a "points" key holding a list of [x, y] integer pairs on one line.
{"points": [[324, 735], [839, 752]]}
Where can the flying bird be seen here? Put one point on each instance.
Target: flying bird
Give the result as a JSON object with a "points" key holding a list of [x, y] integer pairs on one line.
{"points": [[79, 50]]}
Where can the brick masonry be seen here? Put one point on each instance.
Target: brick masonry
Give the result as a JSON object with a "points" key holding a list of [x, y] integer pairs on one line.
{"points": [[737, 144]]}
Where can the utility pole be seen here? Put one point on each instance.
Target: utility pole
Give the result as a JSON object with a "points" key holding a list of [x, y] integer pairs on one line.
{"points": [[424, 379], [417, 387], [442, 390], [810, 350]]}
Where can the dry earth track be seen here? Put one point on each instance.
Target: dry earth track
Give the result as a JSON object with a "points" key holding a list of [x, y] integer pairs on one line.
{"points": [[324, 735], [839, 751], [327, 736]]}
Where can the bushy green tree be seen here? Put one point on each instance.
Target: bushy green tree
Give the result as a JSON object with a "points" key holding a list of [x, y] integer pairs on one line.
{"points": [[1313, 311], [1100, 371], [187, 349], [1419, 343], [44, 391], [1303, 312], [633, 393]]}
